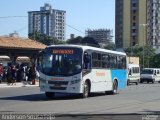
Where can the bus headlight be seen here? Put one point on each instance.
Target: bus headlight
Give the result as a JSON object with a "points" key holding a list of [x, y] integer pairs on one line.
{"points": [[42, 81], [75, 81]]}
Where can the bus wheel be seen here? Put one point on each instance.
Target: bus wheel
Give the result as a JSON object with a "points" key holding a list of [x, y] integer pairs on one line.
{"points": [[49, 95], [153, 81], [115, 87], [85, 90]]}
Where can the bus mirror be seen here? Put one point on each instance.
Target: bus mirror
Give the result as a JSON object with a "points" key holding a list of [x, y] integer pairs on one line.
{"points": [[129, 72]]}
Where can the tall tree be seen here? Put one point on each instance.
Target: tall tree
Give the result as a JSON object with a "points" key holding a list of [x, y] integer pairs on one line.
{"points": [[83, 41], [45, 39], [110, 46], [89, 41], [76, 40], [146, 55]]}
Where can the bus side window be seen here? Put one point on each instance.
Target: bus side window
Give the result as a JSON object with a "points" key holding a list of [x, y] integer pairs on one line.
{"points": [[155, 72]]}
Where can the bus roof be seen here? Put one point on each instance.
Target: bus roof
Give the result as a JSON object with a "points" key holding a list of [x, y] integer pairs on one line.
{"points": [[88, 48]]}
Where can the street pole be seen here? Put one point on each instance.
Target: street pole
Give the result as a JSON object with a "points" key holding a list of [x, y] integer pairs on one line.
{"points": [[143, 25], [143, 45]]}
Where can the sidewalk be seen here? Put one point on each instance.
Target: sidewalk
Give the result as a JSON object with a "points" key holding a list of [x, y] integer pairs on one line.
{"points": [[18, 84]]}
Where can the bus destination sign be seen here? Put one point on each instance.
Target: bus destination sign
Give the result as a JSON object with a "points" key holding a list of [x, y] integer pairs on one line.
{"points": [[63, 51]]}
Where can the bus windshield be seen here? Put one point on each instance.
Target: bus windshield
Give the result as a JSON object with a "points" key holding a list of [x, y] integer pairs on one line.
{"points": [[61, 61], [147, 71]]}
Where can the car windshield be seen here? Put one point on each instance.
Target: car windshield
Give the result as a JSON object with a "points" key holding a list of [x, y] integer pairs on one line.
{"points": [[61, 61], [147, 71]]}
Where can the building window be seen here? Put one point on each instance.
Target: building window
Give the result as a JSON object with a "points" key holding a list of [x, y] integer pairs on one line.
{"points": [[134, 43], [134, 24], [134, 30], [134, 17], [134, 11], [134, 4], [133, 37]]}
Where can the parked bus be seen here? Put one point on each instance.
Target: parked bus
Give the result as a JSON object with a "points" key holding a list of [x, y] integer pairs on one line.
{"points": [[81, 69], [133, 74], [150, 75]]}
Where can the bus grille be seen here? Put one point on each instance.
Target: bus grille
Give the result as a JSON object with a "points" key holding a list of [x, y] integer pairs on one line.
{"points": [[58, 88], [58, 85], [58, 82]]}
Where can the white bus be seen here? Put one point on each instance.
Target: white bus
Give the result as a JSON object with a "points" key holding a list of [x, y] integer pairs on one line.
{"points": [[133, 74], [150, 75], [81, 69]]}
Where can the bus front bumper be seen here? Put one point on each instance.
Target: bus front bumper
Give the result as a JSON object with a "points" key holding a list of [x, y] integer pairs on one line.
{"points": [[58, 88]]}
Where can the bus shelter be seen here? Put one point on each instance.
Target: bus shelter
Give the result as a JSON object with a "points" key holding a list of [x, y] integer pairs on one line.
{"points": [[17, 47]]}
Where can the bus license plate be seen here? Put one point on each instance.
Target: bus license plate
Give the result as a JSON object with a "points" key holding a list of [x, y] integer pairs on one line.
{"points": [[57, 85]]}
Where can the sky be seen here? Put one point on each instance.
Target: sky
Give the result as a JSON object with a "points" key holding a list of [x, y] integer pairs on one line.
{"points": [[80, 14]]}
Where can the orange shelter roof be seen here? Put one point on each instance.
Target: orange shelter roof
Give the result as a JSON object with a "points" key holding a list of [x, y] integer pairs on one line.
{"points": [[20, 43]]}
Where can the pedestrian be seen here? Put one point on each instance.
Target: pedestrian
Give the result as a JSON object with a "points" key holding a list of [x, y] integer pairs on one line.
{"points": [[32, 73], [23, 74], [9, 75], [13, 74], [18, 73], [4, 78], [29, 75]]}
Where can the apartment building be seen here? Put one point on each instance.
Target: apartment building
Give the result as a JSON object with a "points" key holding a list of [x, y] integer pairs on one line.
{"points": [[130, 23], [153, 24], [47, 21], [137, 23]]}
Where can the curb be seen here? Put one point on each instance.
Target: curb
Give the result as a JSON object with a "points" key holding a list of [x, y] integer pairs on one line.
{"points": [[4, 85]]}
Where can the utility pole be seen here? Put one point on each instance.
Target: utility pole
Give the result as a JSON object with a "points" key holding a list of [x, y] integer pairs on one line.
{"points": [[143, 25]]}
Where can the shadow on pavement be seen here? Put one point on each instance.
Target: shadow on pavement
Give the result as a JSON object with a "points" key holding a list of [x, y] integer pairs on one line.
{"points": [[151, 112], [143, 115], [131, 116], [42, 97]]}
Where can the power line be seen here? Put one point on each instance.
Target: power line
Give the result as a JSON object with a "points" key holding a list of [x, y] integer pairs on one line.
{"points": [[27, 16], [12, 16], [75, 28]]}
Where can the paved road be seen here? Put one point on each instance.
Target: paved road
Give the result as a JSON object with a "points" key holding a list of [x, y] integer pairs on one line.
{"points": [[135, 100]]}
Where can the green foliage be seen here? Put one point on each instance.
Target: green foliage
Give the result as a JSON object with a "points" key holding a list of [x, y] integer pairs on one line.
{"points": [[145, 53], [76, 40], [83, 41], [155, 61], [110, 46], [45, 39]]}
